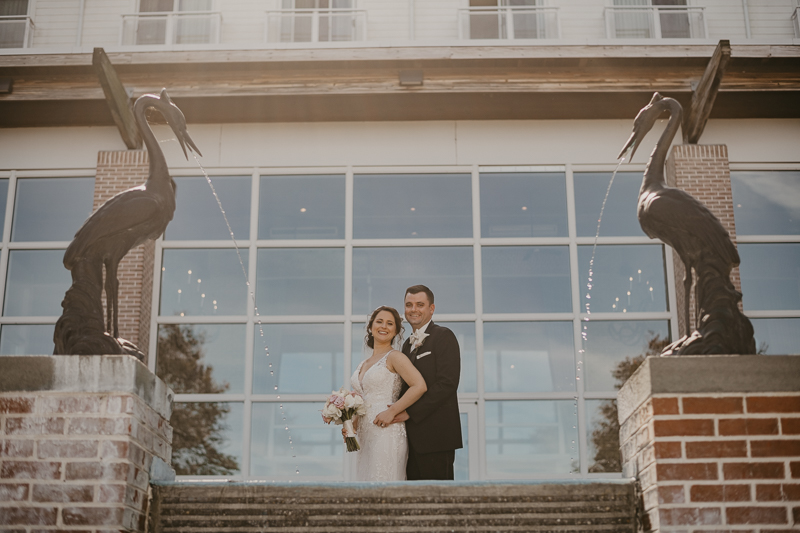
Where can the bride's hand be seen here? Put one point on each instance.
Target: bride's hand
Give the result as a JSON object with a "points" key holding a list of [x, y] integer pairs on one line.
{"points": [[383, 419]]}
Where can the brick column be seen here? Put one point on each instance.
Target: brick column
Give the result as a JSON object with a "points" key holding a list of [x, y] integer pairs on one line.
{"points": [[715, 442], [78, 435], [116, 172], [702, 170]]}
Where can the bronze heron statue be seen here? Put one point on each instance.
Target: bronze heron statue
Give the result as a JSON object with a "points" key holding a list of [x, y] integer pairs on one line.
{"points": [[123, 222], [698, 237]]}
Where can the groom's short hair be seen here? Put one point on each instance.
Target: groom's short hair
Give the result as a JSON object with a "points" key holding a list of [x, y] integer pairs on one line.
{"points": [[416, 289]]}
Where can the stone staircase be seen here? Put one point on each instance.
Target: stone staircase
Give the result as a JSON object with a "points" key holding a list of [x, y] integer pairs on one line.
{"points": [[584, 506]]}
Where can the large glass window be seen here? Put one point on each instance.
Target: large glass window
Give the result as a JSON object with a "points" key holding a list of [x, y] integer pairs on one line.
{"points": [[273, 335]]}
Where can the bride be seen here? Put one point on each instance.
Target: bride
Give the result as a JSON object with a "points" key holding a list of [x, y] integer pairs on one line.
{"points": [[384, 447]]}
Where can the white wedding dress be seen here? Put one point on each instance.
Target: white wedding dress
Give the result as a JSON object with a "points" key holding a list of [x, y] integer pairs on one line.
{"points": [[384, 451]]}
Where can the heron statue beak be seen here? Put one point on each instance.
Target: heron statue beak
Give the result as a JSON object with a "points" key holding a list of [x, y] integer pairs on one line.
{"points": [[631, 144], [184, 139]]}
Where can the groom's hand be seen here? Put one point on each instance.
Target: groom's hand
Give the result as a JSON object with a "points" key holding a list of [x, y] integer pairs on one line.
{"points": [[402, 417]]}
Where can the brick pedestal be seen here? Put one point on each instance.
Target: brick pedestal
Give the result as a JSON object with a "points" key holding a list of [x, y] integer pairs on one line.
{"points": [[715, 442], [703, 171], [78, 435]]}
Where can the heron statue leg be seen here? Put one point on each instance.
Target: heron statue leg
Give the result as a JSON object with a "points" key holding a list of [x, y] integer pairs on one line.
{"points": [[112, 287], [687, 296]]}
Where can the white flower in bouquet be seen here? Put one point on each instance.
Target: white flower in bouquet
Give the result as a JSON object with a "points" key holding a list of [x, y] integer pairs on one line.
{"points": [[341, 407]]}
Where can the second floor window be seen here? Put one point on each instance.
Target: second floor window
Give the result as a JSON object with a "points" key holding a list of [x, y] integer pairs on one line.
{"points": [[15, 25], [655, 19], [166, 22], [509, 19], [318, 21]]}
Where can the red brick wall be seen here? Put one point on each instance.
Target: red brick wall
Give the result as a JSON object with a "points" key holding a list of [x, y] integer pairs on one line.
{"points": [[708, 462], [702, 171], [116, 172], [81, 461]]}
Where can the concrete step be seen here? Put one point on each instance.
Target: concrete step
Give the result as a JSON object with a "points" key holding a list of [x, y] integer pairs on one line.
{"points": [[587, 506]]}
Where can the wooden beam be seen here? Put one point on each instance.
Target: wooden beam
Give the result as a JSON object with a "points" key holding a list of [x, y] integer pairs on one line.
{"points": [[703, 96], [117, 98]]}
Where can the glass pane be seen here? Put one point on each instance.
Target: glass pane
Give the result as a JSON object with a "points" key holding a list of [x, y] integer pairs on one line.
{"points": [[619, 215], [770, 275], [381, 276], [526, 279], [359, 350], [528, 357], [197, 215], [402, 206], [201, 358], [524, 205], [3, 196], [297, 281], [529, 438], [26, 339], [626, 278], [602, 436], [51, 209], [301, 207], [36, 283], [315, 451], [461, 465], [203, 282], [777, 336], [207, 438], [767, 202], [152, 30], [305, 358], [193, 30], [610, 344]]}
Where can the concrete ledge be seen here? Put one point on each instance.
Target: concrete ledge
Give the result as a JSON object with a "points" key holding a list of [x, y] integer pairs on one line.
{"points": [[86, 374], [709, 374]]}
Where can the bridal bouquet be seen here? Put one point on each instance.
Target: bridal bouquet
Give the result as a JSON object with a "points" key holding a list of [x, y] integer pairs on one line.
{"points": [[341, 407]]}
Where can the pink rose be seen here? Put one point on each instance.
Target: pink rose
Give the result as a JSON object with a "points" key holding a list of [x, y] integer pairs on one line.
{"points": [[339, 402]]}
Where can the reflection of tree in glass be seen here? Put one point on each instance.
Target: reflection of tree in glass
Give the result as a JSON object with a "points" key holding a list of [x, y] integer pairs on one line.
{"points": [[198, 428], [605, 437]]}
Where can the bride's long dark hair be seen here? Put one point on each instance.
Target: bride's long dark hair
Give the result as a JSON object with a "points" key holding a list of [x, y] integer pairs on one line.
{"points": [[369, 340]]}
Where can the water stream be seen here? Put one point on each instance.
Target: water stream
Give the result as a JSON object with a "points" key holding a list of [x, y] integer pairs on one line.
{"points": [[252, 294]]}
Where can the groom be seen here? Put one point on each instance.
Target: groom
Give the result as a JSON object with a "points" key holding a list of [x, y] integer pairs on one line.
{"points": [[433, 423]]}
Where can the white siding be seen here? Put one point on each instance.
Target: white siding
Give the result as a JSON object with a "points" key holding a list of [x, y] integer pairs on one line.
{"points": [[387, 20], [243, 21], [102, 22], [771, 19], [437, 20], [581, 20], [725, 19], [56, 22]]}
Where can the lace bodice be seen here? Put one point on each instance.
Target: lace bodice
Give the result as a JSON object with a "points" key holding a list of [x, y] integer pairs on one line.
{"points": [[383, 450]]}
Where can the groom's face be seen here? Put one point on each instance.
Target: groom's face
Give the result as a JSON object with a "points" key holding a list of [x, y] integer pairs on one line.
{"points": [[418, 309]]}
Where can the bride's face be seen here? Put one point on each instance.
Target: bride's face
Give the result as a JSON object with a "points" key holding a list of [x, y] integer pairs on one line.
{"points": [[384, 328]]}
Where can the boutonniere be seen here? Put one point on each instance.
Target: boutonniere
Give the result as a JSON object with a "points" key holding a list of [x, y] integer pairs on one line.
{"points": [[417, 338]]}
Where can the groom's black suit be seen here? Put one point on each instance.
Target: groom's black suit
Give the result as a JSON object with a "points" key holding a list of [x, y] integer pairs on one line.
{"points": [[434, 426]]}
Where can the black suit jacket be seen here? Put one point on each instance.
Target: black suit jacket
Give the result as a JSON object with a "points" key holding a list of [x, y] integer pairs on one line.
{"points": [[435, 423]]}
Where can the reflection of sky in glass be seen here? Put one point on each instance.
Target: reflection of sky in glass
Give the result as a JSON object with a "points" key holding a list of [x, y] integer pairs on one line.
{"points": [[197, 215], [766, 202], [381, 276], [610, 342], [526, 279], [600, 457], [531, 437], [523, 204], [619, 216], [777, 336], [36, 283], [318, 447], [305, 358], [528, 357], [627, 278], [193, 280], [461, 465], [464, 332], [298, 281], [301, 207], [3, 201], [231, 429], [51, 209], [396, 206], [223, 352], [26, 339], [770, 275]]}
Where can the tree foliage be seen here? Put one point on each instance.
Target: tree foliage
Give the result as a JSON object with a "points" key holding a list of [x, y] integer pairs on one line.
{"points": [[605, 437], [198, 427]]}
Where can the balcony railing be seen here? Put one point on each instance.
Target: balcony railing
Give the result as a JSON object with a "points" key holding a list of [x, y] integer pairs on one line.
{"points": [[16, 31], [796, 22], [171, 27], [655, 22], [509, 22], [316, 25]]}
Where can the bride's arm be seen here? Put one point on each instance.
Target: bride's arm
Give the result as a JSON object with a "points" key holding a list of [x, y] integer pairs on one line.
{"points": [[400, 364]]}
